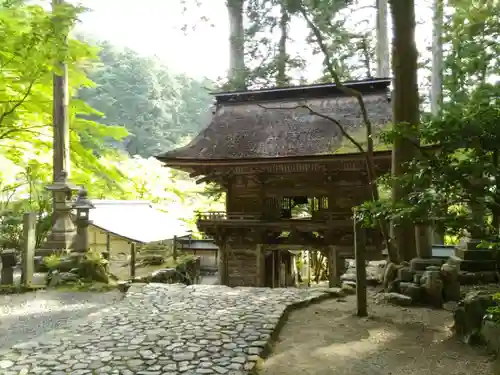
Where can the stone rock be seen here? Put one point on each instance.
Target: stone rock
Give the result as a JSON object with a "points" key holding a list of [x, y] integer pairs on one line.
{"points": [[123, 286], [390, 274], [374, 273], [454, 261], [411, 290], [490, 335], [349, 287], [39, 265], [393, 286], [468, 316], [451, 284], [350, 275], [433, 286], [165, 275], [397, 299], [419, 264], [405, 274], [450, 305]]}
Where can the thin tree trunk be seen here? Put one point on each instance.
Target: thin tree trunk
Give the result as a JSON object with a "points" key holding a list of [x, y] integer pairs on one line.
{"points": [[383, 65], [405, 113], [281, 77], [237, 72], [437, 58]]}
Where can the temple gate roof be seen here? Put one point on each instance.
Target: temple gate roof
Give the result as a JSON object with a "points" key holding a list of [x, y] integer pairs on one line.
{"points": [[273, 123]]}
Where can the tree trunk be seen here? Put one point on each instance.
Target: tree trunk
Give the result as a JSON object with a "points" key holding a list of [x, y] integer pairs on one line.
{"points": [[237, 71], [405, 112], [437, 58], [281, 77], [383, 65]]}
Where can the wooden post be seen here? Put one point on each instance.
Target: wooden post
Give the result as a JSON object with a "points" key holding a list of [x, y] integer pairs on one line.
{"points": [[132, 260], [29, 243], [273, 269], [279, 268], [222, 266], [309, 267], [333, 267], [260, 266], [174, 248], [360, 254]]}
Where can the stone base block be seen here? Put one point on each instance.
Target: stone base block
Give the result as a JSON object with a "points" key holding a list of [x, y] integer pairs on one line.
{"points": [[419, 264]]}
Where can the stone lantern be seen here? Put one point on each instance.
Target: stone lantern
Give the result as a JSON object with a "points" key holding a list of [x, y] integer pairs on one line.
{"points": [[82, 206], [63, 232]]}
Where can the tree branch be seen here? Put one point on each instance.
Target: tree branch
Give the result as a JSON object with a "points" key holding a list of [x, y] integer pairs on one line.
{"points": [[18, 103], [326, 117], [370, 167]]}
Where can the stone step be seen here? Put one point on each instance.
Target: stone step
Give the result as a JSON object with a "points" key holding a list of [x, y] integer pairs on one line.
{"points": [[484, 255], [478, 265]]}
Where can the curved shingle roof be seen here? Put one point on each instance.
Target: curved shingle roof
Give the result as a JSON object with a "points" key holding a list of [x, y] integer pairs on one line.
{"points": [[282, 128]]}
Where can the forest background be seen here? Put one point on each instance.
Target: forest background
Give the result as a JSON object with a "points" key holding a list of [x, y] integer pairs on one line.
{"points": [[127, 107]]}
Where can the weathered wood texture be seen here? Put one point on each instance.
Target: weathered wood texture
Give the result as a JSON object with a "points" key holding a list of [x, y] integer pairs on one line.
{"points": [[242, 267]]}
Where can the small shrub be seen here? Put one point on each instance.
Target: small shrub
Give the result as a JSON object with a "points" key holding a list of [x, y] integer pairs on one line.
{"points": [[52, 261], [493, 312]]}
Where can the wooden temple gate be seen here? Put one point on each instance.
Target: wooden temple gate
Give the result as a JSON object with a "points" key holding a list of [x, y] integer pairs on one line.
{"points": [[286, 183]]}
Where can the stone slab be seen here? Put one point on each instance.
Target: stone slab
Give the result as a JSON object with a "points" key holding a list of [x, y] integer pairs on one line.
{"points": [[477, 265], [486, 255], [165, 329]]}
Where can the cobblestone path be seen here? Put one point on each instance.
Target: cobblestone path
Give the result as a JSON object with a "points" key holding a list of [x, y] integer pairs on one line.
{"points": [[160, 330]]}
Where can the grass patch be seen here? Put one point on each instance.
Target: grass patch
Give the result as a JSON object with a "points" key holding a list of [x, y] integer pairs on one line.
{"points": [[18, 289]]}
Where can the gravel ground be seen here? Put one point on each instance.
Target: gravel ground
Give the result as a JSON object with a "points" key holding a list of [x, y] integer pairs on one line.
{"points": [[327, 339], [28, 315]]}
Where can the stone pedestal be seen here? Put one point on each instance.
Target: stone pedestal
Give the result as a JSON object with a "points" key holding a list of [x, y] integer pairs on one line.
{"points": [[423, 240], [476, 259], [62, 235]]}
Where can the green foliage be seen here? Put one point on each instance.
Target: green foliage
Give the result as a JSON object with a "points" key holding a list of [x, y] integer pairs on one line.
{"points": [[131, 88], [464, 172], [52, 261], [494, 311], [160, 110]]}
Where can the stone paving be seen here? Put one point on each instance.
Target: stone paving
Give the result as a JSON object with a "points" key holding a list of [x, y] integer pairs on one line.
{"points": [[163, 329]]}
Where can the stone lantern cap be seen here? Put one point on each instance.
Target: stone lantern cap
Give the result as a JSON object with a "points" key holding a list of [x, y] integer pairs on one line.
{"points": [[61, 184], [82, 202]]}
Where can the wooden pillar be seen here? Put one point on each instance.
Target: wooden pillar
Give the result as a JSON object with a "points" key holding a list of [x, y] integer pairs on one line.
{"points": [[260, 266], [132, 260], [360, 254], [273, 268], [279, 268], [309, 273], [333, 267], [174, 248], [222, 265]]}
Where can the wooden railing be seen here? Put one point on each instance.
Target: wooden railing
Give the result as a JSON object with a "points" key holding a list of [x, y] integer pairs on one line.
{"points": [[222, 215]]}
